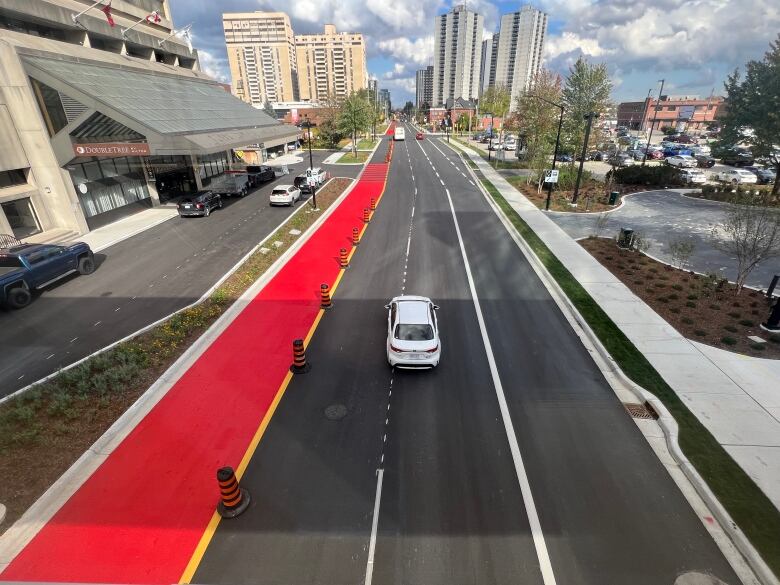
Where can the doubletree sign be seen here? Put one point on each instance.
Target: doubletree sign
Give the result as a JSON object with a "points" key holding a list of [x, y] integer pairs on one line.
{"points": [[112, 149]]}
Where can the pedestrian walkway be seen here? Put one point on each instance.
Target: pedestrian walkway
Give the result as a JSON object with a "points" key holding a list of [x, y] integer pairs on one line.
{"points": [[138, 517], [736, 397], [113, 233]]}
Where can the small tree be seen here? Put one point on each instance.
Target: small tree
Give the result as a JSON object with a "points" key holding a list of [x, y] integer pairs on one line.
{"points": [[601, 224], [496, 100], [751, 234], [355, 116], [538, 118], [681, 250], [587, 89]]}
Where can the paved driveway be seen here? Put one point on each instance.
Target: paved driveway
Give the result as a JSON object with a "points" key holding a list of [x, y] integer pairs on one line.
{"points": [[665, 215]]}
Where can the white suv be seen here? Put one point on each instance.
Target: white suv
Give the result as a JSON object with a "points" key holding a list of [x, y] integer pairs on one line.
{"points": [[412, 332], [318, 173], [736, 176]]}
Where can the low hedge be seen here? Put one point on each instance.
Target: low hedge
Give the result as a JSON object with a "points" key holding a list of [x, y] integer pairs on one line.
{"points": [[656, 175]]}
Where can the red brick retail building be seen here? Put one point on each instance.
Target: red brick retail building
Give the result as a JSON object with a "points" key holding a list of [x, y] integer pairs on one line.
{"points": [[681, 113]]}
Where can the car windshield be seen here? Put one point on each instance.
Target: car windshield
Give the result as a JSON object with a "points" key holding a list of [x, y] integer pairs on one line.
{"points": [[413, 332]]}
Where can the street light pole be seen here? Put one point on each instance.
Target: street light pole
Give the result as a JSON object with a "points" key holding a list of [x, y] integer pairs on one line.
{"points": [[557, 143], [490, 140], [589, 117], [655, 117], [311, 165]]}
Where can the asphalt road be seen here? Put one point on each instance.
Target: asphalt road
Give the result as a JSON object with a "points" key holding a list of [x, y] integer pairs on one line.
{"points": [[138, 281], [452, 508], [664, 216]]}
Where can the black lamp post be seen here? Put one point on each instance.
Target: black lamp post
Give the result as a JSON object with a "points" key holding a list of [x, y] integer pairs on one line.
{"points": [[313, 187], [589, 117], [655, 117], [490, 140]]}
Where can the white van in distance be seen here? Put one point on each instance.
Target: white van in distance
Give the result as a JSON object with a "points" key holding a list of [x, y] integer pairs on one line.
{"points": [[399, 134]]}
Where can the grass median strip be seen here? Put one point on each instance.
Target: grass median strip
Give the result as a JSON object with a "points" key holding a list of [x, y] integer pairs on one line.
{"points": [[44, 430], [755, 514], [360, 157]]}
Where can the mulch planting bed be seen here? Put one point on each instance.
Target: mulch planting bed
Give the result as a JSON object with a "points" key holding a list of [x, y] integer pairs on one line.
{"points": [[702, 308], [592, 197], [45, 430]]}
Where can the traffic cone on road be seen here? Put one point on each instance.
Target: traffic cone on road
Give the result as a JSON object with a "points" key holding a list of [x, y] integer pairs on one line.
{"points": [[299, 365], [234, 499]]}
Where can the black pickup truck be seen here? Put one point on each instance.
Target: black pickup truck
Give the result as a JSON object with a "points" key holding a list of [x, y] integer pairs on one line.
{"points": [[28, 267]]}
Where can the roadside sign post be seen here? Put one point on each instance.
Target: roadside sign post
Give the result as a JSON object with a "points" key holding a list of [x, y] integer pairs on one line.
{"points": [[311, 181], [551, 176]]}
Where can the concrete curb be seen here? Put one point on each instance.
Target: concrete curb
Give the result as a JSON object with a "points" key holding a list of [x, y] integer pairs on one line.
{"points": [[31, 522], [666, 421], [127, 236]]}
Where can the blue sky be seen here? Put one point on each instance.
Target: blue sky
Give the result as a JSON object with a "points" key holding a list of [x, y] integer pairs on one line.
{"points": [[693, 44]]}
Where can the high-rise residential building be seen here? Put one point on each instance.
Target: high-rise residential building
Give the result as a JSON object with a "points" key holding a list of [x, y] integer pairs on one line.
{"points": [[104, 117], [330, 64], [384, 101], [424, 87], [519, 52], [457, 52], [373, 88], [487, 68], [261, 54]]}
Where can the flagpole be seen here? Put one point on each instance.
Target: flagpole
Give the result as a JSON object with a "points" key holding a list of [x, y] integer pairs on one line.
{"points": [[175, 33], [75, 17], [145, 18]]}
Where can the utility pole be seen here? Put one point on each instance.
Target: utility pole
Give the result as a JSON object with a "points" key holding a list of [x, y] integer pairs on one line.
{"points": [[655, 118], [589, 117], [311, 164]]}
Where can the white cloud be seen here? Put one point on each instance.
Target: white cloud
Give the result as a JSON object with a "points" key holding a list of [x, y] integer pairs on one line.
{"points": [[405, 84], [418, 51], [213, 67], [396, 73]]}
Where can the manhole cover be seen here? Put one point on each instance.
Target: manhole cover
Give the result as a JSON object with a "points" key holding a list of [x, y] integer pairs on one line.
{"points": [[640, 411], [698, 579], [335, 412]]}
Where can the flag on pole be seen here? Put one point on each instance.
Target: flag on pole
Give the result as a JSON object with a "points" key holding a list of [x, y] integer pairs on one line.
{"points": [[153, 17], [107, 11]]}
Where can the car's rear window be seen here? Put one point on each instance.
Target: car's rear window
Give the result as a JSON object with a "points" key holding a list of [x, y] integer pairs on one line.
{"points": [[412, 332], [279, 192], [10, 262]]}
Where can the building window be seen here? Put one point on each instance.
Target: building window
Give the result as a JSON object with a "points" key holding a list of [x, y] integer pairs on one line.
{"points": [[22, 218], [110, 183], [13, 177], [50, 106]]}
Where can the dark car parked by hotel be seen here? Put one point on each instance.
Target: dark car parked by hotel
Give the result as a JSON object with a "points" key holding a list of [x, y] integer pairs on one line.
{"points": [[199, 204], [705, 162], [259, 174]]}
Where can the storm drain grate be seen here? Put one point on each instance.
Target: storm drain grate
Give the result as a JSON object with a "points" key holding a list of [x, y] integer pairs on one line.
{"points": [[641, 411]]}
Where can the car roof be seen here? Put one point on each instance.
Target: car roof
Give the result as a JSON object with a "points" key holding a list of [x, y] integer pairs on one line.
{"points": [[413, 311], [283, 187], [21, 248]]}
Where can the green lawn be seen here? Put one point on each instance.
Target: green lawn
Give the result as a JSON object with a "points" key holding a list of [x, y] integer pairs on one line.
{"points": [[362, 156], [754, 513], [366, 144]]}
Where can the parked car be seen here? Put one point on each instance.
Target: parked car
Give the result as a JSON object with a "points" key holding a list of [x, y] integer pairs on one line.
{"points": [[319, 174], [736, 176], [301, 183], [285, 195], [230, 183], [510, 144], [419, 136], [565, 158], [620, 159], [704, 161], [28, 267], [737, 157], [693, 176], [259, 174], [412, 332], [597, 155], [199, 204], [683, 139], [765, 176], [682, 161], [654, 154], [701, 149]]}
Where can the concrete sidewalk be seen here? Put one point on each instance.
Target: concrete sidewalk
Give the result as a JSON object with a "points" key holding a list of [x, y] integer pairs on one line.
{"points": [[127, 227], [736, 397]]}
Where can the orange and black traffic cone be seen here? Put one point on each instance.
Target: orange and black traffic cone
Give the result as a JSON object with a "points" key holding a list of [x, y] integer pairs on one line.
{"points": [[325, 302], [299, 365], [234, 499], [343, 258]]}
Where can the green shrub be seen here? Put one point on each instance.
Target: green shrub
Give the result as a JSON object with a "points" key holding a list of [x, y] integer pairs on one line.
{"points": [[730, 328], [661, 175], [677, 286], [774, 337], [639, 282], [659, 285], [675, 310], [693, 297], [735, 314], [663, 300], [687, 320], [673, 297], [714, 307], [699, 333], [747, 323], [758, 346], [728, 340], [690, 304]]}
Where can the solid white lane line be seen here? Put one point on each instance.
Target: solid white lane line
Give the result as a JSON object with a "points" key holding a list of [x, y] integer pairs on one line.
{"points": [[72, 340], [374, 524], [51, 356], [525, 487]]}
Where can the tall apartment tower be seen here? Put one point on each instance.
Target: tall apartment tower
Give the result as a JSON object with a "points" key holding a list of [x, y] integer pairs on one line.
{"points": [[488, 63], [424, 86], [457, 52], [519, 52], [262, 58], [330, 64]]}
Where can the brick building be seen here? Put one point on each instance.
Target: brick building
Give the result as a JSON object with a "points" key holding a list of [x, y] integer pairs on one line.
{"points": [[684, 113]]}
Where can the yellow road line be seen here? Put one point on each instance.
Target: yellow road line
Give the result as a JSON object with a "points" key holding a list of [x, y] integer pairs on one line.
{"points": [[211, 529]]}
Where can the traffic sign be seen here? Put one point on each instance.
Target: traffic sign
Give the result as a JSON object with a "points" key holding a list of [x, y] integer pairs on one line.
{"points": [[311, 181], [551, 176]]}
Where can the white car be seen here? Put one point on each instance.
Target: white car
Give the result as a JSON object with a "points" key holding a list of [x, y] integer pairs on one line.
{"points": [[510, 145], [318, 173], [412, 332], [694, 176], [682, 161], [736, 176], [701, 150], [399, 134], [285, 195]]}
